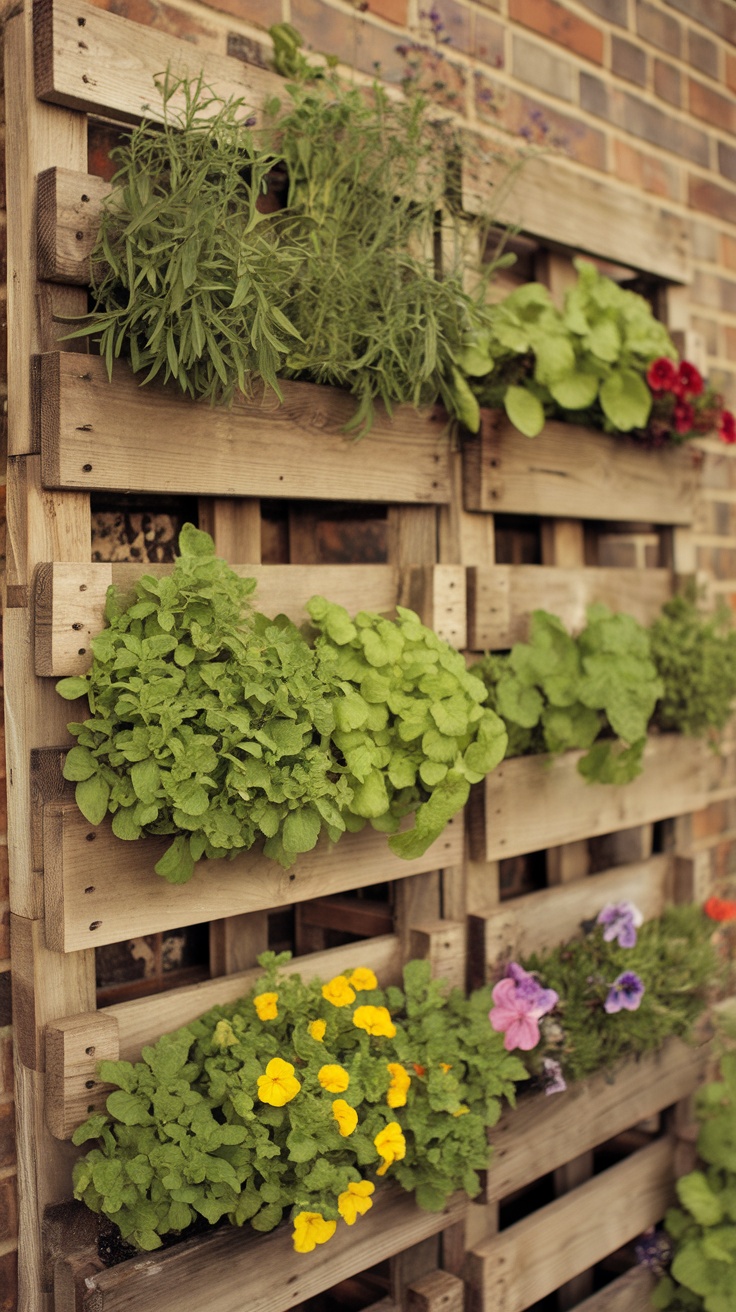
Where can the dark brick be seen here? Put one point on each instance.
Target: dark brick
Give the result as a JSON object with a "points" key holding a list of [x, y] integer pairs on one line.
{"points": [[455, 21], [711, 106], [7, 1134], [643, 120], [6, 1063], [2, 168], [614, 11], [717, 15], [9, 1282], [8, 1209], [727, 295], [712, 199], [557, 23], [702, 53], [4, 932], [628, 61], [489, 41], [595, 95], [668, 82], [539, 123], [727, 161], [658, 28], [6, 999], [367, 47]]}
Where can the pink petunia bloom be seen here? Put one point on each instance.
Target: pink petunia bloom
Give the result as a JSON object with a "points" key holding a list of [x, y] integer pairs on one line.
{"points": [[518, 1005], [689, 380], [662, 375]]}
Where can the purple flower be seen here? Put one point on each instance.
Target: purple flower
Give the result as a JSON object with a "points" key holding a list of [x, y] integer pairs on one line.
{"points": [[529, 988], [552, 1077], [626, 992], [654, 1251], [621, 919]]}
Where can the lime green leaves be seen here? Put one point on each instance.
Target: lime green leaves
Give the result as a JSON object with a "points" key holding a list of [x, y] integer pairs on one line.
{"points": [[695, 654]]}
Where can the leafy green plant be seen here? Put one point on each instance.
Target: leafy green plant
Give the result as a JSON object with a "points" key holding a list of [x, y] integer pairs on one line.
{"points": [[216, 725], [556, 692], [200, 286], [586, 363], [235, 1115], [695, 655]]}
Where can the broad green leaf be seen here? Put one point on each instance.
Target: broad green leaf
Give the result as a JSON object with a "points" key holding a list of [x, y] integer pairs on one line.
{"points": [[524, 410], [72, 688], [626, 400], [92, 796]]}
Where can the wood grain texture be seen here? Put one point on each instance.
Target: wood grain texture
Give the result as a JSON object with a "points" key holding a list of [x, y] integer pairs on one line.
{"points": [[97, 434], [532, 1258], [101, 890], [501, 598], [46, 984], [630, 1292], [536, 802], [576, 473], [68, 219], [74, 1046]]}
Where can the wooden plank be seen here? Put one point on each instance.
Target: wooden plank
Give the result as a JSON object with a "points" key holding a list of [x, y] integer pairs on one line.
{"points": [[45, 985], [101, 890], [74, 1046], [68, 219], [534, 1257], [535, 802], [69, 600], [606, 221], [630, 1292], [96, 435], [276, 1277], [579, 472], [501, 598], [442, 943]]}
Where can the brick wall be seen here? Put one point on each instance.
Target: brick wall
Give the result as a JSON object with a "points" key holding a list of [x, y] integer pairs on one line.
{"points": [[643, 91]]}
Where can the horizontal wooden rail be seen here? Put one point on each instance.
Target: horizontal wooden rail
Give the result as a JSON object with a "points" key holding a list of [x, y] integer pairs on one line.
{"points": [[102, 435], [98, 889], [575, 472], [534, 802], [523, 1264], [630, 1292], [69, 600], [501, 598]]}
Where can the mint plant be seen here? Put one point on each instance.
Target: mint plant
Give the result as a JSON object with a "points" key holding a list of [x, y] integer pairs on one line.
{"points": [[695, 655]]}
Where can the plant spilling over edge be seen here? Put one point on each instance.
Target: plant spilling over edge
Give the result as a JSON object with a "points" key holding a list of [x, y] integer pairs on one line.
{"points": [[603, 361], [216, 725], [297, 244], [601, 690], [292, 1101], [617, 991]]}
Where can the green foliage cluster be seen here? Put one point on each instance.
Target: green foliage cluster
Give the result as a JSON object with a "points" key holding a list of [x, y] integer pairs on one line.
{"points": [[586, 363], [212, 723], [185, 1132], [674, 958], [695, 655], [199, 285], [556, 692], [703, 1228]]}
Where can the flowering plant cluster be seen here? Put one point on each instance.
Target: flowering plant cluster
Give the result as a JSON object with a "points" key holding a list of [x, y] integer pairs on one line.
{"points": [[293, 1101], [620, 989], [684, 405]]}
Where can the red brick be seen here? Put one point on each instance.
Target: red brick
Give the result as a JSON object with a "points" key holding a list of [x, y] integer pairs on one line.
{"points": [[668, 82], [534, 121], [4, 932], [367, 47], [712, 199], [731, 72], [642, 119], [394, 11], [554, 21], [717, 15], [711, 106], [8, 1209], [647, 172], [658, 28], [708, 822], [6, 1063], [728, 250], [489, 41], [4, 893], [154, 13], [7, 1134], [9, 1282]]}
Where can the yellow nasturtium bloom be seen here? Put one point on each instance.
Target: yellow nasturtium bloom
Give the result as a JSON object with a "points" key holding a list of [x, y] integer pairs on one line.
{"points": [[224, 1035], [279, 1085], [376, 1020], [363, 979], [390, 1144], [444, 1067], [399, 1086], [335, 1079], [355, 1201], [317, 1029], [345, 1115], [462, 1110], [338, 992], [310, 1229], [265, 1005]]}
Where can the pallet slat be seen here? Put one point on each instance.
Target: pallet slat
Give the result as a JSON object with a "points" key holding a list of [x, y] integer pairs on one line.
{"points": [[101, 435], [69, 600], [68, 217], [534, 802], [501, 598], [575, 472], [630, 1292]]}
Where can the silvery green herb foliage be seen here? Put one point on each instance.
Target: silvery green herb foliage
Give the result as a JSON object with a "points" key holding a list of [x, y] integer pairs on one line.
{"points": [[220, 727], [695, 655], [556, 692], [185, 1133], [586, 363]]}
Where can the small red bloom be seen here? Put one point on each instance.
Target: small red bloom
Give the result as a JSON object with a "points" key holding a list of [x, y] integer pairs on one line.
{"points": [[420, 1070], [662, 375], [727, 427], [684, 417], [689, 380], [720, 908]]}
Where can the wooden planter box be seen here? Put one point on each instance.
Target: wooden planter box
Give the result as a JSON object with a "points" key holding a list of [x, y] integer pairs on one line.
{"points": [[578, 473]]}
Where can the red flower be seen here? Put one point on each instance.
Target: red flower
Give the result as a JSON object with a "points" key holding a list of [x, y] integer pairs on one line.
{"points": [[684, 417], [719, 908], [420, 1070], [662, 375], [689, 380], [727, 427]]}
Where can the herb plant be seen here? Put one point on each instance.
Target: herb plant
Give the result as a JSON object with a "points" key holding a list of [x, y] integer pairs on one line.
{"points": [[220, 727], [695, 655], [236, 1114]]}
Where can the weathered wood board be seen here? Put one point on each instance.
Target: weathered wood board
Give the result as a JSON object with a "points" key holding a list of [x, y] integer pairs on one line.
{"points": [[119, 436], [69, 207], [575, 472]]}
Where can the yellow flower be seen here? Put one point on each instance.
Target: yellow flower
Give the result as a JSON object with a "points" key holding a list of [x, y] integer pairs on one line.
{"points": [[400, 1081], [224, 1036], [333, 1078], [376, 1020], [355, 1201], [461, 1111], [265, 1005], [390, 1144], [310, 1229], [363, 979], [338, 992], [444, 1067], [317, 1029], [279, 1085], [345, 1115]]}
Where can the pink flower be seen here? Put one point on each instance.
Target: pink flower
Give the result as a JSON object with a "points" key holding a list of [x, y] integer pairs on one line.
{"points": [[519, 1002], [662, 375], [689, 380], [727, 427]]}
